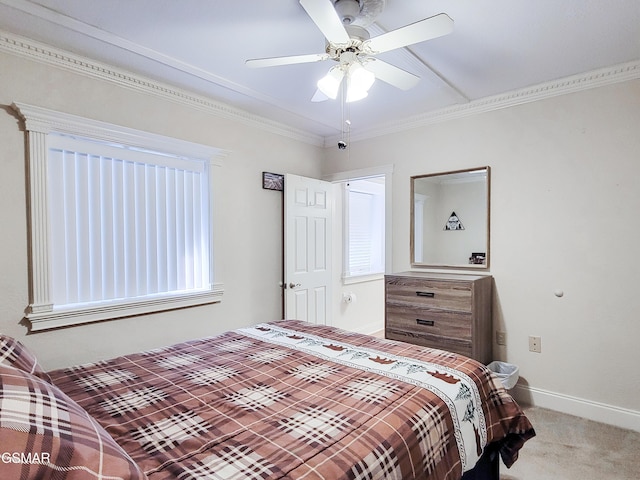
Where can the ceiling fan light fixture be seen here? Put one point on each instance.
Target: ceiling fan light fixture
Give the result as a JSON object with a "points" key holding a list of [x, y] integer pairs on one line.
{"points": [[330, 83], [348, 10], [359, 81], [354, 94]]}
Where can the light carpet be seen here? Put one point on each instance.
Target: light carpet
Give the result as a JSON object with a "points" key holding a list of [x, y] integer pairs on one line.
{"points": [[570, 448]]}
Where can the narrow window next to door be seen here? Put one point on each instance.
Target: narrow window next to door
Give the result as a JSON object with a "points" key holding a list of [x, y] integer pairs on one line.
{"points": [[364, 205]]}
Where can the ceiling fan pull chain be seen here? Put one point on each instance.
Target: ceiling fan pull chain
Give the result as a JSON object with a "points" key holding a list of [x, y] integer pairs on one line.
{"points": [[345, 124], [342, 110]]}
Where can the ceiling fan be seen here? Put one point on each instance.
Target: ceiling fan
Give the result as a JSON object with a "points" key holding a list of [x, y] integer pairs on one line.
{"points": [[343, 23]]}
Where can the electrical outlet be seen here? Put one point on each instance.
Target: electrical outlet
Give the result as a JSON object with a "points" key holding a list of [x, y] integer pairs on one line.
{"points": [[535, 344], [501, 337]]}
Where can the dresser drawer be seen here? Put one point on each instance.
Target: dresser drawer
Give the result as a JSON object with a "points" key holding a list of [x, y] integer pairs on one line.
{"points": [[425, 339], [433, 322], [431, 294]]}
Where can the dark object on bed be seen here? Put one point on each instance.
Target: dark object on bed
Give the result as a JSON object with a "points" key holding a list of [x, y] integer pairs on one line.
{"points": [[282, 400]]}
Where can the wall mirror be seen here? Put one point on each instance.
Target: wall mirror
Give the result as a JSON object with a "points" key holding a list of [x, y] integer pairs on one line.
{"points": [[450, 219]]}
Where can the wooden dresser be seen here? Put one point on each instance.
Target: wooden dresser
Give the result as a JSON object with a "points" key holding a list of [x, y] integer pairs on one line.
{"points": [[441, 310]]}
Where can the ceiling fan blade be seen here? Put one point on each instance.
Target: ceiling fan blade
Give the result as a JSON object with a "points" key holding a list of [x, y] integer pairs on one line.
{"points": [[319, 97], [426, 29], [327, 20], [277, 61], [392, 75]]}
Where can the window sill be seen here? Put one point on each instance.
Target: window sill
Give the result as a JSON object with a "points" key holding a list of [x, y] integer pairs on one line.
{"points": [[351, 280], [65, 317]]}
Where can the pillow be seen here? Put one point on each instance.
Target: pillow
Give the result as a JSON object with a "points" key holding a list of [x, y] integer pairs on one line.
{"points": [[44, 434], [14, 354]]}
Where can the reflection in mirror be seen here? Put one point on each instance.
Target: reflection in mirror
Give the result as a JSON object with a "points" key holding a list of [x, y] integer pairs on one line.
{"points": [[450, 219]]}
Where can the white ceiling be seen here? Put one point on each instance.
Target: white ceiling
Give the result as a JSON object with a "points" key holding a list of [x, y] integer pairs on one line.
{"points": [[497, 46]]}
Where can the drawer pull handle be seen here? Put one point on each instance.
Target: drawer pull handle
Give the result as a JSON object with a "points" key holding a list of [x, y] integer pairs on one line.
{"points": [[428, 323], [426, 294]]}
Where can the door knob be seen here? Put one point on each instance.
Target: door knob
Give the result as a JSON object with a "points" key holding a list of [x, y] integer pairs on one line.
{"points": [[293, 285]]}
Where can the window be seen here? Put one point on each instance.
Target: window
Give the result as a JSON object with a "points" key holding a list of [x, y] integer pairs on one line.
{"points": [[121, 221], [364, 205]]}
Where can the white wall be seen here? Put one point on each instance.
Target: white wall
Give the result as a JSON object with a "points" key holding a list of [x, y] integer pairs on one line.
{"points": [[250, 233], [565, 200]]}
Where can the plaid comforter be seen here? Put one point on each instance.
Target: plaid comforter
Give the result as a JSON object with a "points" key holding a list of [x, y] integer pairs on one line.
{"points": [[294, 400]]}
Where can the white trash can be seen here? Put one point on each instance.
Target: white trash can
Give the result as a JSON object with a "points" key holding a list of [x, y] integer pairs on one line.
{"points": [[506, 372]]}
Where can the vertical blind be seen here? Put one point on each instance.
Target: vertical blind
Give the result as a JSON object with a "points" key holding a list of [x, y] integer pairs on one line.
{"points": [[125, 223]]}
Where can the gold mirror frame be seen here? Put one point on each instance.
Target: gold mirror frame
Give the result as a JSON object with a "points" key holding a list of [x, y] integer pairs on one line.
{"points": [[472, 215]]}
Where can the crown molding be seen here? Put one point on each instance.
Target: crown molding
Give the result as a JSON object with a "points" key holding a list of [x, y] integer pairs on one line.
{"points": [[43, 53], [34, 50], [574, 83]]}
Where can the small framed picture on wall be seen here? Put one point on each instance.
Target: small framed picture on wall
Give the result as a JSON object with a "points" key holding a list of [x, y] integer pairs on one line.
{"points": [[272, 181]]}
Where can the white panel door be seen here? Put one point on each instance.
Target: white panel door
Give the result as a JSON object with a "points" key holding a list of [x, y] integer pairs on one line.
{"points": [[307, 253]]}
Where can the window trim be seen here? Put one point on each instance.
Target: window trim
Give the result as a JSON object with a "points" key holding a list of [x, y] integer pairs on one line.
{"points": [[39, 122]]}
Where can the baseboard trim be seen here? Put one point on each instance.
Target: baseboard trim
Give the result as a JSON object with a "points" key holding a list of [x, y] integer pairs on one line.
{"points": [[369, 328], [596, 411]]}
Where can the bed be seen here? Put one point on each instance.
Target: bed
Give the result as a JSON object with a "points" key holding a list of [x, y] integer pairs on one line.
{"points": [[280, 400]]}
